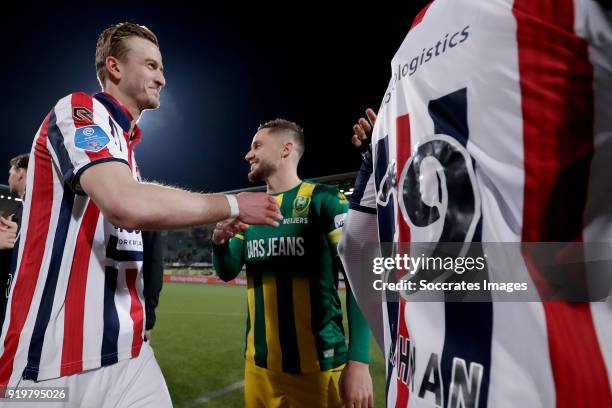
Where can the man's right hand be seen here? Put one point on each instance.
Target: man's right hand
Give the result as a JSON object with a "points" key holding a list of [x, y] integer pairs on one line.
{"points": [[224, 230], [8, 233], [258, 209], [362, 130]]}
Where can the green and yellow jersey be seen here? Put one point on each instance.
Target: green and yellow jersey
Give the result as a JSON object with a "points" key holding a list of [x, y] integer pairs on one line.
{"points": [[294, 321]]}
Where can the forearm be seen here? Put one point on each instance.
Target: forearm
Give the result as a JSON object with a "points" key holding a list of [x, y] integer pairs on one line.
{"points": [[359, 331], [157, 207], [227, 260], [358, 247]]}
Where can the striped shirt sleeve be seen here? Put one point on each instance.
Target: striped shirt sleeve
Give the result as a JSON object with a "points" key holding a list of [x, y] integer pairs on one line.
{"points": [[363, 198], [81, 134]]}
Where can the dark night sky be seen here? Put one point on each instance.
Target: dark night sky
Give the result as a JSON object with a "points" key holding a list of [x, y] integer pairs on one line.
{"points": [[227, 70]]}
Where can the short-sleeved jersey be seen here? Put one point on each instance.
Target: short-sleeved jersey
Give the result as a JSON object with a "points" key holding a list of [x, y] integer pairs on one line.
{"points": [[76, 299], [294, 313], [496, 126]]}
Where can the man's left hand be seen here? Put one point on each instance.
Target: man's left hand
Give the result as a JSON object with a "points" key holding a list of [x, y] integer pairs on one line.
{"points": [[356, 385]]}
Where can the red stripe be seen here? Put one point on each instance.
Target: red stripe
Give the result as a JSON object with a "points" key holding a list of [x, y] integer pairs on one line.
{"points": [[556, 82], [404, 150], [419, 17], [74, 312], [136, 311], [403, 143], [102, 154], [82, 100], [34, 248]]}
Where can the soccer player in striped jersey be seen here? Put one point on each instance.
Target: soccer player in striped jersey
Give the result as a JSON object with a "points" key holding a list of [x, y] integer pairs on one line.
{"points": [[296, 355], [496, 127], [75, 315]]}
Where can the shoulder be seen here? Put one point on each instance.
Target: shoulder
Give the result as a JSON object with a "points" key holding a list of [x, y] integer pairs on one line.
{"points": [[74, 99], [80, 106], [324, 189], [327, 192]]}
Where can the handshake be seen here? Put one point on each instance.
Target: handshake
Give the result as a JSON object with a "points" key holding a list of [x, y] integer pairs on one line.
{"points": [[8, 232], [245, 209]]}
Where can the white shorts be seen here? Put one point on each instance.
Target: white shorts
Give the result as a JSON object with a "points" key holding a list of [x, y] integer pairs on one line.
{"points": [[134, 383]]}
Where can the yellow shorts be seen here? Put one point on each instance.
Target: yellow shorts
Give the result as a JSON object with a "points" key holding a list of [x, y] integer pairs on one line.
{"points": [[274, 389]]}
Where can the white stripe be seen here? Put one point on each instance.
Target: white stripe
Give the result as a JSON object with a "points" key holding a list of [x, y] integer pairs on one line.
{"points": [[93, 313], [215, 394], [65, 123], [126, 325]]}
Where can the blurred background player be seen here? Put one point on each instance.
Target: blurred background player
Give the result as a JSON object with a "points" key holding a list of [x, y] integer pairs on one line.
{"points": [[504, 108], [295, 347], [9, 226], [75, 311]]}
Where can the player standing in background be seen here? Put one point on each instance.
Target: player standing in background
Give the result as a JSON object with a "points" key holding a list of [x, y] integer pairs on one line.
{"points": [[496, 127], [296, 355], [9, 227], [75, 314]]}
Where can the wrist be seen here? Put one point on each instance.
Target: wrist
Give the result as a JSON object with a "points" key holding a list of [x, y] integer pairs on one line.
{"points": [[359, 355], [232, 201], [355, 364]]}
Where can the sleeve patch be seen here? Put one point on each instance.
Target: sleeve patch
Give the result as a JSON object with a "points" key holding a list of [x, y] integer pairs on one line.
{"points": [[91, 138], [339, 220]]}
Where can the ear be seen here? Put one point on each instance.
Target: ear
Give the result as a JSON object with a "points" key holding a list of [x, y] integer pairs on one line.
{"points": [[113, 68], [287, 149], [23, 174]]}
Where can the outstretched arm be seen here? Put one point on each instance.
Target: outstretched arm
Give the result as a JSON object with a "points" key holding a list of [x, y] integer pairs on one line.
{"points": [[132, 205]]}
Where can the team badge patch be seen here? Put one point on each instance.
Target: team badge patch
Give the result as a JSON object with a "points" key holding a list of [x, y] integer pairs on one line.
{"points": [[82, 114], [300, 206], [91, 138]]}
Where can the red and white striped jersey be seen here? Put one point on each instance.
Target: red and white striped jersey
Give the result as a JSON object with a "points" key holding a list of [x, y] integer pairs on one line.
{"points": [[76, 300], [496, 126]]}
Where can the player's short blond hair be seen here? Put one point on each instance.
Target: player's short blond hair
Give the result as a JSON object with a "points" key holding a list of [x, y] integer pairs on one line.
{"points": [[111, 43], [283, 126]]}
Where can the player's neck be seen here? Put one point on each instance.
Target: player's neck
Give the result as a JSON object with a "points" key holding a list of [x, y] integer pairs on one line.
{"points": [[282, 181], [126, 101]]}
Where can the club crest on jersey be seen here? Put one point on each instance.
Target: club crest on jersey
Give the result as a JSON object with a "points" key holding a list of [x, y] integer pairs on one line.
{"points": [[91, 138], [300, 206], [82, 114]]}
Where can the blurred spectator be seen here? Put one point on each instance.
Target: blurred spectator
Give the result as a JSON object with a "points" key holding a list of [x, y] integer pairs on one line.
{"points": [[9, 226]]}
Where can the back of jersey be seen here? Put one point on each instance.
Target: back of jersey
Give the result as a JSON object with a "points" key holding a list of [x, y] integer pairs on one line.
{"points": [[496, 126]]}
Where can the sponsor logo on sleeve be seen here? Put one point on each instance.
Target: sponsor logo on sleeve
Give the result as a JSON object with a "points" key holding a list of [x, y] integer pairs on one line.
{"points": [[91, 138]]}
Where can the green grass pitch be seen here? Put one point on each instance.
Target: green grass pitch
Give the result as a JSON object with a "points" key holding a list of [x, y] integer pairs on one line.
{"points": [[199, 342]]}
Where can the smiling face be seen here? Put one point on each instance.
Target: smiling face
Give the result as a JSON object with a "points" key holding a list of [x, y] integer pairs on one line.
{"points": [[264, 156], [141, 73]]}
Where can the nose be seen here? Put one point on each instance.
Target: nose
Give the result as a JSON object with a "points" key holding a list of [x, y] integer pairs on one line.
{"points": [[249, 155], [160, 80]]}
